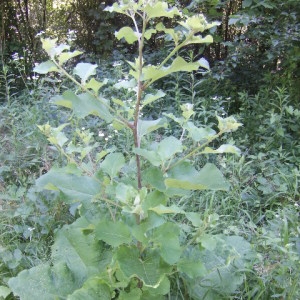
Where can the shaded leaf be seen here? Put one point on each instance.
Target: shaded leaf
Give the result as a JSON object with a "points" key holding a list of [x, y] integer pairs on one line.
{"points": [[93, 288], [113, 233], [167, 238], [44, 282], [112, 164], [150, 269], [84, 104], [75, 188]]}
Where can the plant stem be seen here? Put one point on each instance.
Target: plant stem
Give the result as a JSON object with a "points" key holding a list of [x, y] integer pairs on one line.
{"points": [[140, 89]]}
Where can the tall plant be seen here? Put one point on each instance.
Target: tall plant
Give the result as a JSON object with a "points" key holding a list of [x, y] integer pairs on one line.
{"points": [[132, 238]]}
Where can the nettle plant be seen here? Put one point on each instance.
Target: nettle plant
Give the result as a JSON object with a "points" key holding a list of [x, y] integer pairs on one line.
{"points": [[133, 238]]}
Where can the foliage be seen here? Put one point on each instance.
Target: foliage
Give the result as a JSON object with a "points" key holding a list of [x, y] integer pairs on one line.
{"points": [[200, 222], [127, 217]]}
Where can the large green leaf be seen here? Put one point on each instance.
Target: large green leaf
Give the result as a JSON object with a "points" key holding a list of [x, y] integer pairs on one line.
{"points": [[224, 265], [93, 288], [112, 164], [168, 147], [166, 237], [84, 71], [160, 9], [162, 151], [199, 133], [151, 270], [84, 104], [128, 34], [154, 177], [77, 250], [75, 188], [154, 73], [65, 56], [113, 233], [147, 126], [46, 67], [149, 98], [44, 282], [185, 176]]}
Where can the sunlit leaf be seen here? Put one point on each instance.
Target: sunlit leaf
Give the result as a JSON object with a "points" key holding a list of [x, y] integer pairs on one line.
{"points": [[160, 9], [154, 73], [145, 126], [46, 67], [228, 124], [128, 34], [84, 71], [95, 85], [65, 56], [226, 148]]}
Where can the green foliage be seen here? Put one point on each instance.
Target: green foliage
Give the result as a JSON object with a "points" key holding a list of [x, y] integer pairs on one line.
{"points": [[138, 194], [128, 240]]}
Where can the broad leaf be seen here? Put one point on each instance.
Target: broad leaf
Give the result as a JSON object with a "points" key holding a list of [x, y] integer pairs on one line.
{"points": [[168, 147], [154, 177], [150, 269], [128, 34], [84, 104], [44, 282], [166, 237], [224, 265], [199, 133], [84, 71], [149, 98], [113, 233], [161, 9], [78, 250], [178, 65], [65, 56], [151, 156], [95, 85], [112, 164], [185, 176], [93, 288], [46, 67], [75, 188], [145, 126]]}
